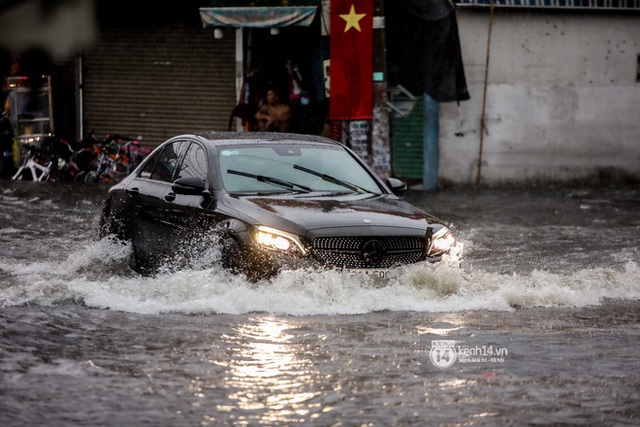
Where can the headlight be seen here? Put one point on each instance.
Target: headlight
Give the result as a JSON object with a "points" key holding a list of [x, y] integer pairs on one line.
{"points": [[278, 240], [442, 242]]}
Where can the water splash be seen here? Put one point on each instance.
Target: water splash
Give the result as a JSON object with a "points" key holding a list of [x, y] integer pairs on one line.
{"points": [[97, 275]]}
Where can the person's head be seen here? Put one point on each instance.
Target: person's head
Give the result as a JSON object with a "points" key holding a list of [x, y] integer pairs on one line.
{"points": [[272, 97]]}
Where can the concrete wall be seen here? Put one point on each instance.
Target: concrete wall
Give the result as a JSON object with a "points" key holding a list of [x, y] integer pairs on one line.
{"points": [[562, 104]]}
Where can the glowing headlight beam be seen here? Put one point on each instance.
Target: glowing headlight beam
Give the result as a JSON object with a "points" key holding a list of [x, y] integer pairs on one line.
{"points": [[275, 239], [277, 242], [441, 242]]}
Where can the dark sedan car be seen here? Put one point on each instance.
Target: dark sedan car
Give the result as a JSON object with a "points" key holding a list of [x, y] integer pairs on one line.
{"points": [[272, 201]]}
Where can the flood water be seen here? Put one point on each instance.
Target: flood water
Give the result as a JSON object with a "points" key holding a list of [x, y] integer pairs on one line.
{"points": [[536, 324]]}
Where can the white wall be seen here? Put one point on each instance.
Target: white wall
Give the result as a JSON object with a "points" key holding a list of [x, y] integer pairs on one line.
{"points": [[562, 100]]}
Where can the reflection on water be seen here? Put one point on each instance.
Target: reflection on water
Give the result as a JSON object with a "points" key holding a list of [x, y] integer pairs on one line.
{"points": [[266, 373], [451, 322]]}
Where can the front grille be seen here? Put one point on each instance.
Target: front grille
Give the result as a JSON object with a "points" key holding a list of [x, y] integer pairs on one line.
{"points": [[368, 252]]}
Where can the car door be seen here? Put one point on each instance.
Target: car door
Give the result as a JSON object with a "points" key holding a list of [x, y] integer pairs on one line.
{"points": [[192, 208], [153, 228]]}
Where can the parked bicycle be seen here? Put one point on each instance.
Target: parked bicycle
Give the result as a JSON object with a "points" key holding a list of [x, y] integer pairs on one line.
{"points": [[117, 156], [88, 160], [48, 160], [85, 156]]}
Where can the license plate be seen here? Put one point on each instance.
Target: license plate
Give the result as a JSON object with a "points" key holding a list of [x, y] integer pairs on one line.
{"points": [[371, 272]]}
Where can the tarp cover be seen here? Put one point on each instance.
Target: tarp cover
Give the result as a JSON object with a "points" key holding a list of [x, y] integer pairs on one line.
{"points": [[424, 49], [257, 17]]}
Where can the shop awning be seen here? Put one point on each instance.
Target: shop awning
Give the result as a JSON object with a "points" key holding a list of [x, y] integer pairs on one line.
{"points": [[257, 17]]}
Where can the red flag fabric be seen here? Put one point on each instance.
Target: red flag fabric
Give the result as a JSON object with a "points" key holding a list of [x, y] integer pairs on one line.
{"points": [[351, 72]]}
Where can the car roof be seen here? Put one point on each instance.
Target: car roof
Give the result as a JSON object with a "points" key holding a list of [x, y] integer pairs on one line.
{"points": [[233, 138]]}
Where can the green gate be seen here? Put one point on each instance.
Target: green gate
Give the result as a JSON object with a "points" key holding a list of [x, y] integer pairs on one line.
{"points": [[407, 135]]}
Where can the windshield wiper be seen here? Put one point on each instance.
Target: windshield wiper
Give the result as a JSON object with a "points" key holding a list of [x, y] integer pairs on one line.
{"points": [[333, 180], [270, 180]]}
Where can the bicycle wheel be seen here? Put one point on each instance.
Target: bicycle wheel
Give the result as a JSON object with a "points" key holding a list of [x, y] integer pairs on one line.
{"points": [[91, 176], [23, 174]]}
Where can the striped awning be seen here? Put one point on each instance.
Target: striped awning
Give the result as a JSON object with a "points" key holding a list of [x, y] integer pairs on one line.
{"points": [[257, 17], [561, 4]]}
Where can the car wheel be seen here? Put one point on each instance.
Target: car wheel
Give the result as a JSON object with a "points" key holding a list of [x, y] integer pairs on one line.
{"points": [[233, 258], [140, 265], [238, 261]]}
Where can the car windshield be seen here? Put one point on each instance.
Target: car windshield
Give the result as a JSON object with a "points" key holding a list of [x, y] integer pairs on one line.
{"points": [[291, 167]]}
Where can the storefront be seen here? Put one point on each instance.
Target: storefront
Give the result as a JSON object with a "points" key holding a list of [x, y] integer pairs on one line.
{"points": [[163, 81], [280, 48], [155, 73]]}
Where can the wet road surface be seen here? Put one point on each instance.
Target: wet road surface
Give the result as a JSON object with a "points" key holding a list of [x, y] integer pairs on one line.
{"points": [[537, 326]]}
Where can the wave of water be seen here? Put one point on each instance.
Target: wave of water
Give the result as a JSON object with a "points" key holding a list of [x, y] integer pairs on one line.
{"points": [[97, 276]]}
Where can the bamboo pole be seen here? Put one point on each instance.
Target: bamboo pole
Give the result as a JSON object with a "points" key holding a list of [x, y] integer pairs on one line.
{"points": [[484, 95]]}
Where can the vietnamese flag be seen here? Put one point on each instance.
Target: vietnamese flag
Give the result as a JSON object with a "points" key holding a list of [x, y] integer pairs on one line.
{"points": [[351, 72]]}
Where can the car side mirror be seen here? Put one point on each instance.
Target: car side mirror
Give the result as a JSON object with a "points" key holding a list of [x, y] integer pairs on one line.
{"points": [[396, 186], [190, 186]]}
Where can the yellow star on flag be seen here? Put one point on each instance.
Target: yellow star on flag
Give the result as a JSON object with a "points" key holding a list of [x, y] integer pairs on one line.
{"points": [[353, 19]]}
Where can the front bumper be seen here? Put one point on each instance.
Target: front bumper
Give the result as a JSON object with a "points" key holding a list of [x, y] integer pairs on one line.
{"points": [[266, 255]]}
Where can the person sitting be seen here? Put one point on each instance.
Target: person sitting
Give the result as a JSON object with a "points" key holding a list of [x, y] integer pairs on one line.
{"points": [[274, 116]]}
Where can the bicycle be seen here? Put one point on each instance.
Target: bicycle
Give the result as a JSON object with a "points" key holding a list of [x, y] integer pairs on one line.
{"points": [[33, 165], [115, 159], [47, 160]]}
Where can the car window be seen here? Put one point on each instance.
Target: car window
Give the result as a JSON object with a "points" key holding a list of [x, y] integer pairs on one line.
{"points": [[306, 166], [180, 148], [145, 172], [163, 165], [194, 163]]}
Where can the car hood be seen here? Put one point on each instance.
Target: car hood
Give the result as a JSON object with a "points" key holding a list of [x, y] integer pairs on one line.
{"points": [[308, 214]]}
